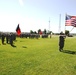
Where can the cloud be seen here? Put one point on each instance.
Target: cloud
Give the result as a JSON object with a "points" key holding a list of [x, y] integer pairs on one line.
{"points": [[21, 2]]}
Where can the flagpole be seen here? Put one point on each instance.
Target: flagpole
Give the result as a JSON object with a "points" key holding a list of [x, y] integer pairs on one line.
{"points": [[59, 23], [65, 20], [49, 24]]}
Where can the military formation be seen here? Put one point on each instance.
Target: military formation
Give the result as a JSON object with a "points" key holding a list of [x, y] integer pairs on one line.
{"points": [[29, 35], [10, 37], [7, 38]]}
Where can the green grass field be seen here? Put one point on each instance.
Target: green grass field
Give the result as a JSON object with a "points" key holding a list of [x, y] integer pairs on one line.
{"points": [[38, 57]]}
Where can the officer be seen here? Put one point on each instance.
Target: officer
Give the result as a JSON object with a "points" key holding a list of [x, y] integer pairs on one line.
{"points": [[61, 41]]}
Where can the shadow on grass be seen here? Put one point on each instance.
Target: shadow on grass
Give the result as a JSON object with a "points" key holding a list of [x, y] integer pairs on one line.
{"points": [[13, 45], [69, 52], [24, 47], [15, 40], [21, 41], [4, 44]]}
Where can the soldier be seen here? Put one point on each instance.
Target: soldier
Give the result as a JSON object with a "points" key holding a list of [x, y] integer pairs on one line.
{"points": [[3, 38], [11, 39], [61, 41], [7, 38]]}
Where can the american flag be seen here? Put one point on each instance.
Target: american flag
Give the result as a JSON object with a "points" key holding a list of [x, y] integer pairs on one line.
{"points": [[70, 20]]}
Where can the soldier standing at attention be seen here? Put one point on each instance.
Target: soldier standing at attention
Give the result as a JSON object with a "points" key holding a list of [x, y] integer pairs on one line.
{"points": [[61, 41], [3, 38], [7, 38], [11, 39]]}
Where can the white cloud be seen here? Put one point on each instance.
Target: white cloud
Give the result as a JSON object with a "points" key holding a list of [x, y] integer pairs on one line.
{"points": [[21, 2]]}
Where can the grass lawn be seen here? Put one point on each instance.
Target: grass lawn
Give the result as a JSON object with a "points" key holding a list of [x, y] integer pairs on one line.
{"points": [[38, 57]]}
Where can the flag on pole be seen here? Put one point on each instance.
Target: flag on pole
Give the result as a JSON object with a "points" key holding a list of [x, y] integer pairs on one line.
{"points": [[70, 20], [18, 30], [73, 21]]}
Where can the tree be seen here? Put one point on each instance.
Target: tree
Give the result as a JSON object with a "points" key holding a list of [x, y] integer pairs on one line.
{"points": [[67, 32], [44, 31], [39, 31], [31, 31]]}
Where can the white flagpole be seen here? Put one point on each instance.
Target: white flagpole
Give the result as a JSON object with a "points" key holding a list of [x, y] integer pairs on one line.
{"points": [[49, 23], [59, 23], [65, 20]]}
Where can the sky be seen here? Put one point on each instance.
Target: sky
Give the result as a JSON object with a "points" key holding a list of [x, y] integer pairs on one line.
{"points": [[36, 14]]}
